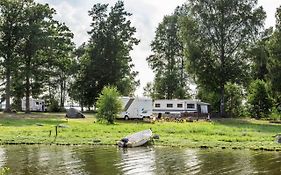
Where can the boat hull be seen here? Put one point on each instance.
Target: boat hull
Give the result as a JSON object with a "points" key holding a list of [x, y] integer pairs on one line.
{"points": [[137, 139]]}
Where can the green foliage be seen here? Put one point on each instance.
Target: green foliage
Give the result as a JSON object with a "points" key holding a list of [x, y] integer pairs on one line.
{"points": [[61, 62], [259, 99], [108, 105], [105, 59], [227, 133], [149, 91], [11, 21], [274, 64], [209, 96], [233, 100], [16, 105], [36, 50], [78, 88], [275, 114], [259, 56], [215, 34], [167, 60], [4, 171], [54, 106]]}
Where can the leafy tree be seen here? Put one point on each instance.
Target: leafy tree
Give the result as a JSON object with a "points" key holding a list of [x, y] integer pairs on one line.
{"points": [[61, 63], [149, 91], [233, 100], [107, 60], [36, 38], [45, 51], [54, 106], [259, 99], [167, 60], [78, 86], [108, 105], [209, 96], [11, 21], [259, 55], [215, 34], [274, 65]]}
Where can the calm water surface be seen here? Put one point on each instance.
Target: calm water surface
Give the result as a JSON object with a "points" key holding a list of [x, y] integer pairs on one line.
{"points": [[55, 160]]}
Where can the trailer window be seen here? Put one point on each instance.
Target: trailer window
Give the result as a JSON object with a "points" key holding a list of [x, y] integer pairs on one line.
{"points": [[190, 106], [157, 105], [179, 105], [169, 105]]}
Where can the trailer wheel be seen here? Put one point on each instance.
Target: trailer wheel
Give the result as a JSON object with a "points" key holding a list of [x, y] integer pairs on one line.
{"points": [[126, 117]]}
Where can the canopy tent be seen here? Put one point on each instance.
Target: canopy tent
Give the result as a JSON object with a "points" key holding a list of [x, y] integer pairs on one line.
{"points": [[74, 113]]}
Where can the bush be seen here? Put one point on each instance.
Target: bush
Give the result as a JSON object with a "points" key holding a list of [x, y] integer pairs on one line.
{"points": [[4, 170], [54, 106], [233, 100], [108, 105], [259, 100], [275, 115]]}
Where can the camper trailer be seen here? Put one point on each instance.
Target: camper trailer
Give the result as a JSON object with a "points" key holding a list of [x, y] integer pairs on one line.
{"points": [[35, 104], [175, 106], [135, 107]]}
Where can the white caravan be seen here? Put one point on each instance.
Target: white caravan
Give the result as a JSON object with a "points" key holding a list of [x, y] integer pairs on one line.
{"points": [[180, 106], [34, 104], [135, 107]]}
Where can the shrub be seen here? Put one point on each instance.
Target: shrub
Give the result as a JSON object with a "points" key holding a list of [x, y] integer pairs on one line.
{"points": [[4, 170], [54, 106], [233, 100], [259, 100], [275, 115], [108, 105]]}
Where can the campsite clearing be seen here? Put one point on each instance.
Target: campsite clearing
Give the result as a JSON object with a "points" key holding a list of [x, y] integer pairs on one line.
{"points": [[45, 128]]}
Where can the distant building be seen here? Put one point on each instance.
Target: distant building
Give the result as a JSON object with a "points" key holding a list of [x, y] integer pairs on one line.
{"points": [[178, 106], [34, 104]]}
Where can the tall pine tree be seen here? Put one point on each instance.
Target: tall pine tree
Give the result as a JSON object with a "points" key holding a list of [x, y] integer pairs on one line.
{"points": [[167, 60]]}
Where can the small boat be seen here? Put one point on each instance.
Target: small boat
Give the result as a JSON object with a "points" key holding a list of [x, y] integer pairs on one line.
{"points": [[136, 139]]}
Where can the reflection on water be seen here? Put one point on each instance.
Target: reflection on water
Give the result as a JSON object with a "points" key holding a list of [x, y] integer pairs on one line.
{"points": [[112, 160], [137, 161], [2, 157], [192, 162]]}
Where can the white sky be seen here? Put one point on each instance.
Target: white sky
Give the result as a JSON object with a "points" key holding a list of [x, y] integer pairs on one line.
{"points": [[147, 14]]}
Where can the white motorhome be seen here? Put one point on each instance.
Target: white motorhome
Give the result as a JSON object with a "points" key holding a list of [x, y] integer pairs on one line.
{"points": [[136, 107], [180, 106], [35, 104]]}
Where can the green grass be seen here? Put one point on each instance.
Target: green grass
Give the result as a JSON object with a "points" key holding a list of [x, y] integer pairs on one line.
{"points": [[224, 133]]}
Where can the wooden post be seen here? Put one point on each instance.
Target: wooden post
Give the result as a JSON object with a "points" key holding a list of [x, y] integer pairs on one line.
{"points": [[56, 131]]}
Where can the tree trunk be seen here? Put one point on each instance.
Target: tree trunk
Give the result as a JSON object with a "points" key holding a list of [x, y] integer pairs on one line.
{"points": [[61, 94], [8, 79], [27, 88], [222, 59], [8, 89], [222, 104]]}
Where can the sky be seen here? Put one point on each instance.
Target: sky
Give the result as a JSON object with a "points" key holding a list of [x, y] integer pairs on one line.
{"points": [[147, 14]]}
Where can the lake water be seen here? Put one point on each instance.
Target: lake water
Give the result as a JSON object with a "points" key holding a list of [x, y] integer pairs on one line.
{"points": [[54, 160]]}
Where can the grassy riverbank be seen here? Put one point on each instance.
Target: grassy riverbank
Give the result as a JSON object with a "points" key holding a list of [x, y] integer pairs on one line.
{"points": [[224, 133]]}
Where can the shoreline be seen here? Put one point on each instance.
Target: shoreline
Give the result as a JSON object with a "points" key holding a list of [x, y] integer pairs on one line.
{"points": [[203, 147], [234, 134]]}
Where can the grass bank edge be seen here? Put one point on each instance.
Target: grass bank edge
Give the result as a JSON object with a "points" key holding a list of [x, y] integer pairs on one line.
{"points": [[222, 133]]}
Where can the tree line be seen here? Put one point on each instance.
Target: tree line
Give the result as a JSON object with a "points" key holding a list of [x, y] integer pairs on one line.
{"points": [[225, 51], [39, 59], [221, 46]]}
